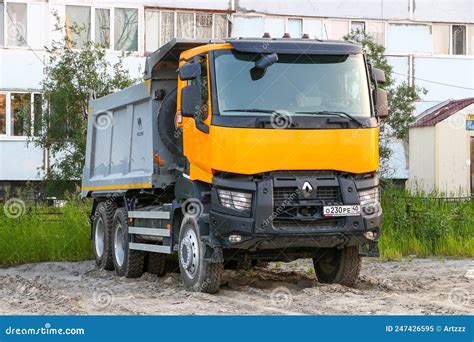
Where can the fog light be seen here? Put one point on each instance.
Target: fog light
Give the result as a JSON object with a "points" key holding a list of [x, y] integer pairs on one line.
{"points": [[235, 238], [370, 235]]}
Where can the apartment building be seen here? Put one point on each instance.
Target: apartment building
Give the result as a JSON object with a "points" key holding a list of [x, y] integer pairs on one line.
{"points": [[429, 43]]}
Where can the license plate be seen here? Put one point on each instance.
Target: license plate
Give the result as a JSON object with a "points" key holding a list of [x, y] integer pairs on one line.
{"points": [[341, 210]]}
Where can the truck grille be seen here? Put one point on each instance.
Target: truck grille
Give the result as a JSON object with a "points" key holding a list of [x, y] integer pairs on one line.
{"points": [[293, 211], [290, 194]]}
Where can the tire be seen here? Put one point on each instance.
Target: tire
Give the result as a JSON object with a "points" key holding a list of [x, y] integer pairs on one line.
{"points": [[128, 263], [197, 274], [156, 263], [171, 136], [338, 266], [102, 235]]}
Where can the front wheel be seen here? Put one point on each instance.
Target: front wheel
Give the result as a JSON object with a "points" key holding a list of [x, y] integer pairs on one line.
{"points": [[338, 266], [198, 274]]}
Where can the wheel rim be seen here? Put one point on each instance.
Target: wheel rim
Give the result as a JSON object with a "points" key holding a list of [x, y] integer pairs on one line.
{"points": [[119, 244], [99, 237], [189, 253]]}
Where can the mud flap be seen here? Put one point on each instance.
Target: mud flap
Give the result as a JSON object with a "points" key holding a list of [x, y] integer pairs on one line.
{"points": [[369, 250]]}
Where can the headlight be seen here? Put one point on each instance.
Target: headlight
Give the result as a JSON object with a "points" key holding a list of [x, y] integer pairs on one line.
{"points": [[235, 199], [370, 200]]}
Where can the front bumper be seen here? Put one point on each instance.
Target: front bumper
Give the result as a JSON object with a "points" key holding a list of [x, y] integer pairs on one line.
{"points": [[299, 224]]}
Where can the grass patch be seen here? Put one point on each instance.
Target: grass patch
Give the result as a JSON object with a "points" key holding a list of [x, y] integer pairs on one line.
{"points": [[425, 225], [46, 234]]}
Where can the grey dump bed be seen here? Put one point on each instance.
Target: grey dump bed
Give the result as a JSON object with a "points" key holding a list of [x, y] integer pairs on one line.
{"points": [[122, 134]]}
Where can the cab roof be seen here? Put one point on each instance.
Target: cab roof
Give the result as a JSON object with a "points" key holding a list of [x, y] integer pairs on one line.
{"points": [[171, 51]]}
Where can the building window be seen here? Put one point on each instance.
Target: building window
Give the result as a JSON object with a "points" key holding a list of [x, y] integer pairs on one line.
{"points": [[20, 104], [102, 27], [357, 26], [458, 33], [2, 32], [162, 26], [314, 28], [3, 114], [409, 38], [339, 29], [275, 27], [78, 25], [152, 32], [470, 39], [220, 26], [248, 26], [37, 114], [295, 28], [184, 25], [126, 29], [167, 27], [376, 29], [16, 24], [20, 114], [203, 25]]}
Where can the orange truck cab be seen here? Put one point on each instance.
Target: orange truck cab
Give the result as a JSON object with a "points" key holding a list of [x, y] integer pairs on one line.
{"points": [[259, 149]]}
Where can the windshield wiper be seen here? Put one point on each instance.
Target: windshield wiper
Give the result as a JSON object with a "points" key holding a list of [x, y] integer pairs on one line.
{"points": [[341, 114], [251, 110]]}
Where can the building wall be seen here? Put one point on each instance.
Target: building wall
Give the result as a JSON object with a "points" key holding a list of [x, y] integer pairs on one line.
{"points": [[422, 162], [418, 36], [453, 164]]}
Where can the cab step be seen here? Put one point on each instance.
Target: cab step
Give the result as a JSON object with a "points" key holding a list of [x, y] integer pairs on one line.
{"points": [[150, 248], [150, 229]]}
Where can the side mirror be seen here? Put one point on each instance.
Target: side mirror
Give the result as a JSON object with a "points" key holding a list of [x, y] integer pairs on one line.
{"points": [[189, 71], [381, 103], [190, 100], [378, 76], [266, 60]]}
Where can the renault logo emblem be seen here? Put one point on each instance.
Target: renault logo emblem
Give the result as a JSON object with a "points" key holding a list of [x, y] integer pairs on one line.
{"points": [[307, 188]]}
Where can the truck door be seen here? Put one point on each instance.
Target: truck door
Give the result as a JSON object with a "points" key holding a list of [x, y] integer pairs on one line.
{"points": [[196, 142]]}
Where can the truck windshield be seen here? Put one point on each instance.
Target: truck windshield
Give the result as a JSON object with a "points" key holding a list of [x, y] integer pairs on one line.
{"points": [[296, 84]]}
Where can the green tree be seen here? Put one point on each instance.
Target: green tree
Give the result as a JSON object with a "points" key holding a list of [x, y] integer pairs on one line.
{"points": [[71, 75], [401, 99]]}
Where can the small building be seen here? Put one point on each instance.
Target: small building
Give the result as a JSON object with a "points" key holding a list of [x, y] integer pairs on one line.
{"points": [[441, 149]]}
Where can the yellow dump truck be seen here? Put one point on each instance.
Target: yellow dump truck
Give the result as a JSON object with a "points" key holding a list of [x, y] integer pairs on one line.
{"points": [[239, 150]]}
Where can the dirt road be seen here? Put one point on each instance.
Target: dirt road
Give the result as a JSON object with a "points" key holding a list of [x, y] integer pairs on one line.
{"points": [[409, 287]]}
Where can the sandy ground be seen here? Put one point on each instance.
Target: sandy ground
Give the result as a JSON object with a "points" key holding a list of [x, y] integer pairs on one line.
{"points": [[425, 287]]}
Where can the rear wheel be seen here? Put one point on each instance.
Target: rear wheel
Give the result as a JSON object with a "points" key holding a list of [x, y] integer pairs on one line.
{"points": [[128, 263], [339, 266], [198, 274], [102, 235]]}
